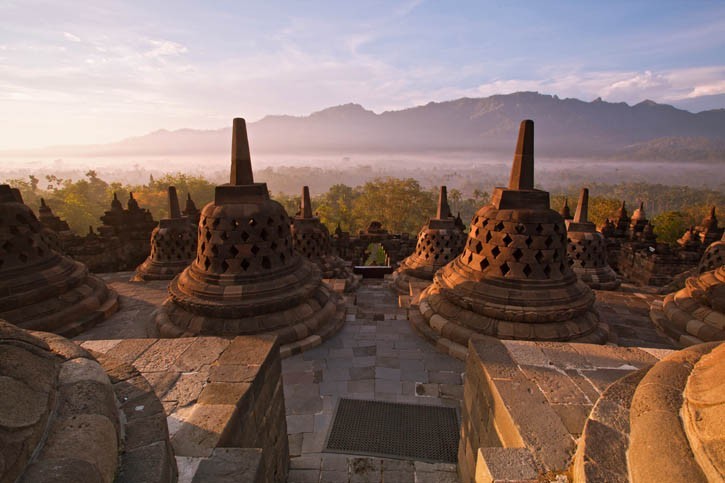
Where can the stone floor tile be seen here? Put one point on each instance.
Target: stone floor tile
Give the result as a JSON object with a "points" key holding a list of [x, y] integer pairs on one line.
{"points": [[303, 476], [300, 423], [387, 373]]}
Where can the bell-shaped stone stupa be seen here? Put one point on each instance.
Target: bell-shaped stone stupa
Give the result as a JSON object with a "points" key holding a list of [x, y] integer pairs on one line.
{"points": [[312, 239], [513, 278], [587, 249], [173, 245], [41, 289], [696, 313], [439, 241], [246, 277]]}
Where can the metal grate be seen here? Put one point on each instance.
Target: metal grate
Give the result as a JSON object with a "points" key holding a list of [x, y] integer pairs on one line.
{"points": [[394, 430]]}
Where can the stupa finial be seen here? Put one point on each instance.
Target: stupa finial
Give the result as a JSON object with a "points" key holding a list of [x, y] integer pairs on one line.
{"points": [[42, 203], [174, 209], [444, 211], [306, 210], [582, 209], [241, 173], [522, 171]]}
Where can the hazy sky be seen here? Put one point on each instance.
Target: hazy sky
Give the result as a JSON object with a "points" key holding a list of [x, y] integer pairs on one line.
{"points": [[97, 71]]}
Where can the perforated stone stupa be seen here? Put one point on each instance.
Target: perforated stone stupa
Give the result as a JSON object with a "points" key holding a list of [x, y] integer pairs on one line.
{"points": [[696, 313], [513, 278], [439, 241], [587, 249], [312, 239], [246, 277], [173, 245], [41, 289]]}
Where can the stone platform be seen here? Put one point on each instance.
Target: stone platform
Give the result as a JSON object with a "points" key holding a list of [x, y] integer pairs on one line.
{"points": [[526, 404], [222, 400], [376, 355]]}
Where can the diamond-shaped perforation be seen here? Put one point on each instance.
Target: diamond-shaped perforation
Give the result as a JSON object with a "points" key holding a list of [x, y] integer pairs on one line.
{"points": [[507, 239], [495, 251], [528, 270], [504, 268]]}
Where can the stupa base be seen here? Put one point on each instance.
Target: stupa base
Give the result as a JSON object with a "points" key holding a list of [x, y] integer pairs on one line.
{"points": [[449, 327], [298, 328], [335, 267], [150, 270], [604, 278], [685, 318], [68, 313], [406, 284]]}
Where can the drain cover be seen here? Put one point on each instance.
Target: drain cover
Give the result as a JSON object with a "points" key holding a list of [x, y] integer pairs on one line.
{"points": [[394, 430]]}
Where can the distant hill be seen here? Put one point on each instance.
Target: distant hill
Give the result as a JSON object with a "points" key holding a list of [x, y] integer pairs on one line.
{"points": [[564, 128]]}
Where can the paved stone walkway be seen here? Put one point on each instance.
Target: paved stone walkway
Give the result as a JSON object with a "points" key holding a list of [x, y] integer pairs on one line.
{"points": [[376, 356]]}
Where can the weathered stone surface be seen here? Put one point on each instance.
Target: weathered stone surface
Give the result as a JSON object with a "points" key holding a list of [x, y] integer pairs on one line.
{"points": [[495, 465], [587, 249], [247, 277], [439, 241], [173, 245], [89, 437], [41, 289], [227, 465], [512, 280]]}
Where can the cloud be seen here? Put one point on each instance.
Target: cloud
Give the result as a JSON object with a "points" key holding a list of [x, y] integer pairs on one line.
{"points": [[69, 36], [165, 48]]}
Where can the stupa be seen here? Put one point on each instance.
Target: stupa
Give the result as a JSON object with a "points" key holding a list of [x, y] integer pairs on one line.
{"points": [[690, 240], [41, 289], [696, 313], [246, 277], [49, 219], [513, 279], [713, 257], [191, 211], [565, 211], [312, 239], [439, 241], [173, 245], [709, 230], [587, 249], [640, 228]]}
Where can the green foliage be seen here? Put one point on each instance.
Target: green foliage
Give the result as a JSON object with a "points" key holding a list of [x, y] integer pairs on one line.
{"points": [[336, 206], [670, 225], [399, 204], [291, 203]]}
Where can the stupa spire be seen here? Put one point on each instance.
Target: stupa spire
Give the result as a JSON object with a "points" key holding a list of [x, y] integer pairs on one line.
{"points": [[522, 171], [444, 211], [582, 209], [241, 173], [42, 203], [174, 209], [306, 210]]}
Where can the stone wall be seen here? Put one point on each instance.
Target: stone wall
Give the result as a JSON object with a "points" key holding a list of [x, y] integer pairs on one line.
{"points": [[525, 404], [223, 401], [639, 265]]}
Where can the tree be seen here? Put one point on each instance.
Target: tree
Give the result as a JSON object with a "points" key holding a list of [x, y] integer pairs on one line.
{"points": [[336, 206], [669, 226], [399, 204]]}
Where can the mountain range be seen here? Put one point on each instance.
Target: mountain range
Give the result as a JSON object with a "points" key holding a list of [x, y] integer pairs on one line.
{"points": [[564, 128]]}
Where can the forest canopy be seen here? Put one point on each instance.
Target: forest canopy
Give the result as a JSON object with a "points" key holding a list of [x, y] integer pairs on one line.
{"points": [[401, 204]]}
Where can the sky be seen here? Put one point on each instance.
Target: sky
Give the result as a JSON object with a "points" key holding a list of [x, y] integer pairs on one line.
{"points": [[75, 72]]}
